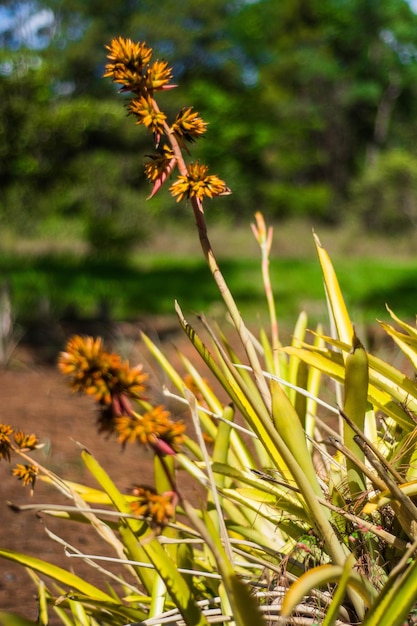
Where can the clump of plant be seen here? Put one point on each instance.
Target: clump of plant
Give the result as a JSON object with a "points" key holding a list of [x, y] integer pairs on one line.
{"points": [[307, 515]]}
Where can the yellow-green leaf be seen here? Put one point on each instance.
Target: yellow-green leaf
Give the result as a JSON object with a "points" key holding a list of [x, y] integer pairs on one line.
{"points": [[57, 573], [334, 295], [395, 601], [323, 575], [246, 611]]}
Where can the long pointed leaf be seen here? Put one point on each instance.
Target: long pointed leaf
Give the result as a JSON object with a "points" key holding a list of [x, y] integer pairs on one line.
{"points": [[331, 363], [59, 574], [395, 602], [128, 528], [150, 550], [334, 294], [321, 575]]}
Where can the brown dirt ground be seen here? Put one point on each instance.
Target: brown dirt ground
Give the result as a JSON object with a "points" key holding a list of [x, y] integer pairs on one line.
{"points": [[35, 398]]}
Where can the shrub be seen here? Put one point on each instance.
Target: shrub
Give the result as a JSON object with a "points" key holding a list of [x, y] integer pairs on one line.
{"points": [[385, 197], [299, 200]]}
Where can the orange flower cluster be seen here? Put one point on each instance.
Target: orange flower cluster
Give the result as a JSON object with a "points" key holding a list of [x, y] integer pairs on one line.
{"points": [[147, 115], [104, 375], [154, 428], [159, 168], [23, 443], [129, 65], [158, 509], [5, 442], [113, 383], [198, 184], [188, 125], [27, 474]]}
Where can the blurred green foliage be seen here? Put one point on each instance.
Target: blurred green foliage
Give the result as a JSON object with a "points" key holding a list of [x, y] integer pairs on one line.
{"points": [[51, 287], [306, 101], [385, 196]]}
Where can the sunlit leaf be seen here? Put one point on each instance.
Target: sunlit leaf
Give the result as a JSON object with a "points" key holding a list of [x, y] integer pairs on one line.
{"points": [[150, 550], [334, 295], [57, 573], [395, 601], [323, 575]]}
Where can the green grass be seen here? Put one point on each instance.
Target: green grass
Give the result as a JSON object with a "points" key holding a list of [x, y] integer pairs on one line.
{"points": [[151, 283]]}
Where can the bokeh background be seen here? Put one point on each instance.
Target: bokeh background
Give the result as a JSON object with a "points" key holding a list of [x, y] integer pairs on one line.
{"points": [[312, 112]]}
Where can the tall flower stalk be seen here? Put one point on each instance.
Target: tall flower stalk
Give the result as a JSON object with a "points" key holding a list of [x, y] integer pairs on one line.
{"points": [[130, 65]]}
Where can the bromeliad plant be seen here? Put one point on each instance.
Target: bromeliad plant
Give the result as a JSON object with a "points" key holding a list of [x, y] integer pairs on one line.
{"points": [[308, 513]]}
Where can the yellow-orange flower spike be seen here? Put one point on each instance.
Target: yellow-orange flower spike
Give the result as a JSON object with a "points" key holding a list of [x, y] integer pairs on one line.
{"points": [[128, 62], [158, 76], [26, 473], [146, 113], [159, 509], [188, 125], [96, 372], [197, 183], [154, 428], [160, 167], [5, 444], [25, 442]]}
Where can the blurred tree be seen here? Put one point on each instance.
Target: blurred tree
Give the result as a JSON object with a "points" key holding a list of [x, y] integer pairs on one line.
{"points": [[384, 197], [70, 157], [333, 74], [303, 95]]}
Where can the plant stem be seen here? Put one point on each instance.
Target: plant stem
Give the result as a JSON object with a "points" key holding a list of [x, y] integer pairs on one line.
{"points": [[264, 238], [219, 279]]}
